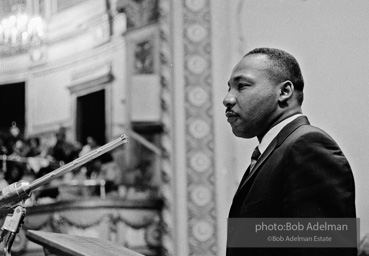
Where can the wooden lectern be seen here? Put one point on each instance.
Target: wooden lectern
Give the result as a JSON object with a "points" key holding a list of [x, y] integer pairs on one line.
{"points": [[56, 244]]}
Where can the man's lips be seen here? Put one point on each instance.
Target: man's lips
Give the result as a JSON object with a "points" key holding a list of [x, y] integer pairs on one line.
{"points": [[230, 113], [231, 116]]}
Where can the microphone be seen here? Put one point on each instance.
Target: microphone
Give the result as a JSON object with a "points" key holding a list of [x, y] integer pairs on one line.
{"points": [[14, 193]]}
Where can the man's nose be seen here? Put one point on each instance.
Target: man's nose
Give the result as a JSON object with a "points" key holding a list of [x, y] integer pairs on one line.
{"points": [[229, 100]]}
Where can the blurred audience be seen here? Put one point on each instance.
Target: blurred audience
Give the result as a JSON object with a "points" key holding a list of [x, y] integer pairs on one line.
{"points": [[28, 159]]}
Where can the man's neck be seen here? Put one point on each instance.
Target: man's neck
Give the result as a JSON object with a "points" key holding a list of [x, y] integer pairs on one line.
{"points": [[280, 119], [273, 132]]}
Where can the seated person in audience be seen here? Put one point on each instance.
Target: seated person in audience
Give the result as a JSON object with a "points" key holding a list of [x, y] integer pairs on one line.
{"points": [[111, 173], [34, 147], [91, 168], [14, 173], [63, 151], [3, 148]]}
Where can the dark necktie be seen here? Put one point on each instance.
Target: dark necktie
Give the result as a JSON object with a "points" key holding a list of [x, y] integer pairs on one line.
{"points": [[254, 157]]}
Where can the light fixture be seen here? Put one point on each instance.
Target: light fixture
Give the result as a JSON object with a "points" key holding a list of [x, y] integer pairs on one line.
{"points": [[19, 31]]}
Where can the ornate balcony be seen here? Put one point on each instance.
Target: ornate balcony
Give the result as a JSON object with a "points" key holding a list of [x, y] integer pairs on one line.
{"points": [[131, 219]]}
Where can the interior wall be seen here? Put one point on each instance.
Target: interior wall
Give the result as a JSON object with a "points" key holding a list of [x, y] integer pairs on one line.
{"points": [[330, 40]]}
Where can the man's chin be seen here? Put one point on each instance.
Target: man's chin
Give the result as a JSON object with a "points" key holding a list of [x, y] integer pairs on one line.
{"points": [[242, 134]]}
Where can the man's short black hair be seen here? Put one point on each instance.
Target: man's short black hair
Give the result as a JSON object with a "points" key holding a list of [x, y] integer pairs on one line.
{"points": [[283, 67]]}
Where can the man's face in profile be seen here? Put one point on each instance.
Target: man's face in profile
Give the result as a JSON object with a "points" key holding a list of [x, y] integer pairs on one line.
{"points": [[252, 99]]}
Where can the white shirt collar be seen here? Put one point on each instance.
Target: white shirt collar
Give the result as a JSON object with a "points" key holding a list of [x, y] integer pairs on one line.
{"points": [[272, 133]]}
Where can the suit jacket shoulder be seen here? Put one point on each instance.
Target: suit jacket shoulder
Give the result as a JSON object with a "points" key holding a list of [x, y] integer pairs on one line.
{"points": [[303, 173]]}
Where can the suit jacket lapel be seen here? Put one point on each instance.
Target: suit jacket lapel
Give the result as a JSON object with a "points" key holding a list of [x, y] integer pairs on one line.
{"points": [[261, 160], [290, 128], [276, 142]]}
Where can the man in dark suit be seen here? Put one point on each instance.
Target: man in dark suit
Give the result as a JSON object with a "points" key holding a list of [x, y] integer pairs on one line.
{"points": [[300, 171]]}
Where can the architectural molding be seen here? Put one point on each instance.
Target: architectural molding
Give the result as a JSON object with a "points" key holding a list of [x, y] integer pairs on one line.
{"points": [[200, 155], [104, 52], [139, 13], [15, 65], [167, 161], [91, 76]]}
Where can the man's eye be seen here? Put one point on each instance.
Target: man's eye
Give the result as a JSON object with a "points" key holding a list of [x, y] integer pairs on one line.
{"points": [[241, 85]]}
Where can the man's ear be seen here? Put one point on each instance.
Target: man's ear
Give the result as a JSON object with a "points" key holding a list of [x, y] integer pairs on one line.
{"points": [[286, 91]]}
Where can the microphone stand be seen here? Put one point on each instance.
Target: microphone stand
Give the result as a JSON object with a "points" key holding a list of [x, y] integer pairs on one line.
{"points": [[14, 195]]}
